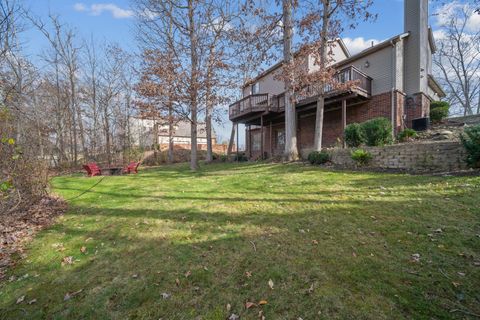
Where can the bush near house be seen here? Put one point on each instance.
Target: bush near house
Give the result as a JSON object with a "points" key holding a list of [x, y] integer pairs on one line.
{"points": [[439, 111], [318, 157], [362, 157], [471, 141], [377, 131], [354, 135], [407, 135]]}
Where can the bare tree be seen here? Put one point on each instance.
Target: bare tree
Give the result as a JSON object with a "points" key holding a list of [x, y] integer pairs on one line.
{"points": [[62, 41], [457, 61], [324, 20]]}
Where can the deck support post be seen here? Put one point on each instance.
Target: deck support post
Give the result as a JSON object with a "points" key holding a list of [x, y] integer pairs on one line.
{"points": [[261, 137], [344, 121], [249, 143], [271, 140], [237, 143], [232, 138]]}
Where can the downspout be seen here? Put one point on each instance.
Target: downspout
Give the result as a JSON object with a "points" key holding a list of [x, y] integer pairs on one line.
{"points": [[392, 93]]}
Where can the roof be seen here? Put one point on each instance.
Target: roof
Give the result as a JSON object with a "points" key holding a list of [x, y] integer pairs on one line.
{"points": [[280, 63], [372, 49], [436, 87]]}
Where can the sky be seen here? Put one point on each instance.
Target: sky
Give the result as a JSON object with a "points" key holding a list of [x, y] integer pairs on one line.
{"points": [[113, 20]]}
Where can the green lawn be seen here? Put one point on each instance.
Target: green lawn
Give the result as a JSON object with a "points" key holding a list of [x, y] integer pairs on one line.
{"points": [[170, 244]]}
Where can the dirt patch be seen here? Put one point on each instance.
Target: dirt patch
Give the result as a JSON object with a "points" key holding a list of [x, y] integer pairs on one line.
{"points": [[19, 227]]}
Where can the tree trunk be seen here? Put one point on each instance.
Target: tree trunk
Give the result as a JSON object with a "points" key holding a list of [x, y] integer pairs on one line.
{"points": [[208, 126], [193, 86], [317, 145], [170, 133], [232, 138], [291, 151], [108, 150]]}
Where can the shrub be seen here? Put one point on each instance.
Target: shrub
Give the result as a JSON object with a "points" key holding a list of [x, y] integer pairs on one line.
{"points": [[407, 135], [471, 142], [318, 157], [354, 135], [378, 132], [361, 156], [223, 158], [439, 110], [240, 157]]}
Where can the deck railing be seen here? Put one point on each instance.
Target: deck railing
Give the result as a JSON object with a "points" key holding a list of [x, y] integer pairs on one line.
{"points": [[251, 103], [276, 103]]}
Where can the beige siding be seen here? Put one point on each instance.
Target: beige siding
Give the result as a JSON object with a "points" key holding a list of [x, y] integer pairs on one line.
{"points": [[269, 83], [399, 65], [380, 69], [416, 46]]}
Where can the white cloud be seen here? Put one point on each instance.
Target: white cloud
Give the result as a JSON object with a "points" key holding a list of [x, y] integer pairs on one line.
{"points": [[80, 7], [97, 9], [358, 44], [444, 14]]}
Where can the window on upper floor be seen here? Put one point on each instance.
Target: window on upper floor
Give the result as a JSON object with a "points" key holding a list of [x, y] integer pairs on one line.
{"points": [[255, 88]]}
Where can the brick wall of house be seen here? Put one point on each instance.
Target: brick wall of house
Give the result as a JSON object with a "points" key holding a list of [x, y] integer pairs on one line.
{"points": [[416, 106], [377, 106], [431, 156]]}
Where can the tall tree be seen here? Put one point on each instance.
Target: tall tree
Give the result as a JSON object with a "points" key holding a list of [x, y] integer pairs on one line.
{"points": [[325, 20], [291, 151], [457, 61]]}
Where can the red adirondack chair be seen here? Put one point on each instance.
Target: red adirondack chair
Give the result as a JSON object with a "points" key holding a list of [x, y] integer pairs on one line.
{"points": [[132, 167], [92, 169]]}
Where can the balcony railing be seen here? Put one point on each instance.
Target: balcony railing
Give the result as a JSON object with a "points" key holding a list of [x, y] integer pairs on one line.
{"points": [[251, 103], [361, 81], [264, 102]]}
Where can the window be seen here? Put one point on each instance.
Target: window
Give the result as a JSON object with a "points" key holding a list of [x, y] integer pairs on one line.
{"points": [[280, 138], [255, 88]]}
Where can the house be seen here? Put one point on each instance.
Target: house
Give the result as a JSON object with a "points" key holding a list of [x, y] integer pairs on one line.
{"points": [[142, 131], [143, 128], [393, 80]]}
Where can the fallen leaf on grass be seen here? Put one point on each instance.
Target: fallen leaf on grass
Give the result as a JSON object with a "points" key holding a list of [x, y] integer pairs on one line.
{"points": [[233, 316], [67, 260], [188, 273], [177, 282], [314, 242], [262, 302], [70, 295], [249, 305], [229, 307], [248, 274], [21, 299], [32, 301], [456, 284], [166, 295], [415, 257], [83, 249], [270, 284]]}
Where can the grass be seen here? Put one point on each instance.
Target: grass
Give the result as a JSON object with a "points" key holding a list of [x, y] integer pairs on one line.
{"points": [[336, 245]]}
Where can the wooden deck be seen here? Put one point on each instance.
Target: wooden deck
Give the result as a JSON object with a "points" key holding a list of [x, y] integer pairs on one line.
{"points": [[255, 105]]}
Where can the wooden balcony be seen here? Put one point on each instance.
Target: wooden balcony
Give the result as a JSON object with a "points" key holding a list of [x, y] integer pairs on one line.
{"points": [[250, 105], [264, 103]]}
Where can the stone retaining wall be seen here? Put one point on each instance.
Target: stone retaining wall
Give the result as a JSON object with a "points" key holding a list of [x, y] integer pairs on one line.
{"points": [[429, 156]]}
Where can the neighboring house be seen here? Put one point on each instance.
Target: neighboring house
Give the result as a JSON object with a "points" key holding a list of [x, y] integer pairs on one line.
{"points": [[142, 130], [394, 81]]}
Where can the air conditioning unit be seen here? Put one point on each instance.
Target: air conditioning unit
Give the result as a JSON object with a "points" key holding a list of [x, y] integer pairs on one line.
{"points": [[421, 124]]}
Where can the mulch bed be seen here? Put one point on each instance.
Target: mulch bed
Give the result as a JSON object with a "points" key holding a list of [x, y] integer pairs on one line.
{"points": [[19, 227]]}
